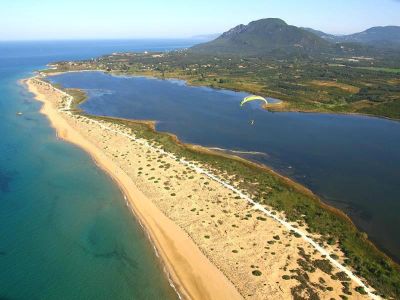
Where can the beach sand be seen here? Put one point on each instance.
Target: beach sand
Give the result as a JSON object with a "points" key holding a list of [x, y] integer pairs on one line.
{"points": [[214, 245]]}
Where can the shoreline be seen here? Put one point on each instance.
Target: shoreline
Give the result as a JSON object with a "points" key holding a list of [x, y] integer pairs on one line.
{"points": [[150, 124], [196, 278]]}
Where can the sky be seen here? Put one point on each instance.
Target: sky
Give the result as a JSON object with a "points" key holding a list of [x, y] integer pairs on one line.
{"points": [[104, 19]]}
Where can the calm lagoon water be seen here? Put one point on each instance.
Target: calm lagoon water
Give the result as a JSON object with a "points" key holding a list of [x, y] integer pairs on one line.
{"points": [[352, 162], [65, 231]]}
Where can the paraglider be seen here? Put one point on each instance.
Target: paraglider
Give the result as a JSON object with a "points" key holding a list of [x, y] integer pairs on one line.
{"points": [[249, 99], [253, 98]]}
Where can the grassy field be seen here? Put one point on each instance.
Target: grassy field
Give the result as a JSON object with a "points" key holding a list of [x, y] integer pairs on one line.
{"points": [[389, 70]]}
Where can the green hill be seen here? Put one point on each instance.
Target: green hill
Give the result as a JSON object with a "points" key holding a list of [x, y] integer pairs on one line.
{"points": [[264, 37]]}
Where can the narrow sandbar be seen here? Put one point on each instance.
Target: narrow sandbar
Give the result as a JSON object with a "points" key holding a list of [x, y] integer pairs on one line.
{"points": [[214, 244], [194, 276]]}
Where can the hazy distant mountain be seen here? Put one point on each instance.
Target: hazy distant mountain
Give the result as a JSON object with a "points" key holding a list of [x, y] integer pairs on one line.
{"points": [[206, 37], [376, 36], [265, 36], [321, 34]]}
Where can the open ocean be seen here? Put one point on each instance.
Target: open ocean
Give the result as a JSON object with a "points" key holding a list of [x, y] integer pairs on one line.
{"points": [[65, 231]]}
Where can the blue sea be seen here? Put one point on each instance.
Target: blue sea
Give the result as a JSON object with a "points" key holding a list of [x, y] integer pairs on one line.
{"points": [[65, 231]]}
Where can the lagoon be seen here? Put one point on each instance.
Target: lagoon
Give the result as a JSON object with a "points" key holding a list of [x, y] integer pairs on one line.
{"points": [[352, 162]]}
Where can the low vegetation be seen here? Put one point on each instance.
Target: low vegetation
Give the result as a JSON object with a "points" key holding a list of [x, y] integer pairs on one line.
{"points": [[296, 202]]}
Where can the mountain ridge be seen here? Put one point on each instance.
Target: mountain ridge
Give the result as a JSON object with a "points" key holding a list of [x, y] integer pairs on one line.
{"points": [[274, 37], [263, 37]]}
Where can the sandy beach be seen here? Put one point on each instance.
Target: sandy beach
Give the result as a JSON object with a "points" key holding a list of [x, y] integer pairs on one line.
{"points": [[213, 244], [194, 278]]}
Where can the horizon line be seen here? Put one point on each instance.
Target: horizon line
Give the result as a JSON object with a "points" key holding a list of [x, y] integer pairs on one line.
{"points": [[200, 36]]}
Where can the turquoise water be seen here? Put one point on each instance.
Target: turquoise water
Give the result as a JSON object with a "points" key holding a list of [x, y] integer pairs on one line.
{"points": [[65, 231], [352, 162]]}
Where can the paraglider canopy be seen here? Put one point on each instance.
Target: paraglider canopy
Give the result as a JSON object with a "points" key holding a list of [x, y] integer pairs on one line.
{"points": [[253, 98]]}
